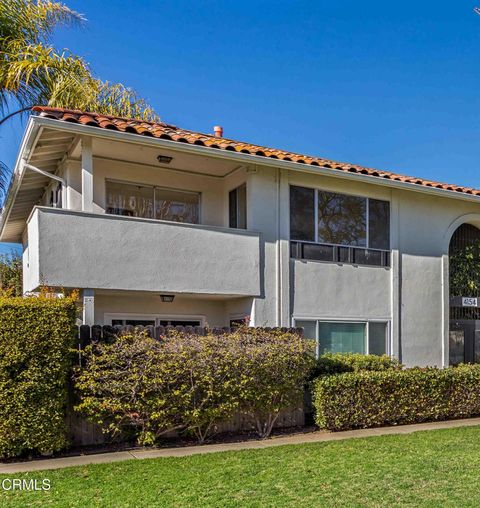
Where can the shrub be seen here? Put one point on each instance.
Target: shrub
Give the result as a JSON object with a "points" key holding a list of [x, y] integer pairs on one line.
{"points": [[372, 398], [36, 336], [276, 366], [337, 363], [191, 383]]}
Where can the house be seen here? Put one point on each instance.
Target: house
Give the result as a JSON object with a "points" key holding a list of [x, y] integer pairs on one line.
{"points": [[159, 225]]}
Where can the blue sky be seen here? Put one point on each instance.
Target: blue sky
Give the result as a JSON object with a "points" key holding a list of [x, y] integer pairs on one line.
{"points": [[391, 85]]}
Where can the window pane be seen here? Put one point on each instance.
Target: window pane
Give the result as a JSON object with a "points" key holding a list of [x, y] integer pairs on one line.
{"points": [[178, 322], [379, 224], [367, 257], [177, 206], [318, 252], [377, 338], [309, 329], [130, 200], [232, 208], [302, 214], [242, 207], [341, 219], [237, 207], [341, 337]]}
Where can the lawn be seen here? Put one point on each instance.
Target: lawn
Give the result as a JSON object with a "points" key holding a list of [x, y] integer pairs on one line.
{"points": [[435, 468]]}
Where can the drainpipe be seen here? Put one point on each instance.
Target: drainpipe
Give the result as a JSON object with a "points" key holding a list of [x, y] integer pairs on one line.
{"points": [[44, 173], [278, 256]]}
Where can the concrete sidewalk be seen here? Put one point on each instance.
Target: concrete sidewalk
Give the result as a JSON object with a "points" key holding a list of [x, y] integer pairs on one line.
{"points": [[311, 437]]}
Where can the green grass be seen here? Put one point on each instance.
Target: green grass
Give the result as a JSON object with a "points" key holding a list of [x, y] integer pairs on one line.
{"points": [[435, 468]]}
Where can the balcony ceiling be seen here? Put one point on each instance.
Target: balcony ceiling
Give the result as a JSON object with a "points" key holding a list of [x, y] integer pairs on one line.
{"points": [[147, 155], [53, 146]]}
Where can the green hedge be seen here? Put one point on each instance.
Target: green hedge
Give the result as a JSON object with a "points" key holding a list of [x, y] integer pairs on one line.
{"points": [[373, 398], [36, 335], [337, 363]]}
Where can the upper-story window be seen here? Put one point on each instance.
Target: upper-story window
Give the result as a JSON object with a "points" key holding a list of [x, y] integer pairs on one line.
{"points": [[152, 202], [328, 226], [237, 207]]}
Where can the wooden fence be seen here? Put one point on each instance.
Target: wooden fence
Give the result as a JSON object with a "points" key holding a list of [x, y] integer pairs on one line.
{"points": [[104, 333]]}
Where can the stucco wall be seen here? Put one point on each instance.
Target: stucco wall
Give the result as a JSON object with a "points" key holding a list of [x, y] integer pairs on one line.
{"points": [[83, 250], [214, 312]]}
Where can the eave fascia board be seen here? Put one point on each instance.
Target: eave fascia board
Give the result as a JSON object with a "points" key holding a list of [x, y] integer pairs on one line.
{"points": [[30, 137], [244, 158]]}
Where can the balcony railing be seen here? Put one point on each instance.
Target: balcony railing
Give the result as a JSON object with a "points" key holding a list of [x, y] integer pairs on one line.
{"points": [[342, 254]]}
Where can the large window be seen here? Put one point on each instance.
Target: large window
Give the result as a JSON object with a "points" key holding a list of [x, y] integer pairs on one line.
{"points": [[328, 226], [152, 202], [347, 337]]}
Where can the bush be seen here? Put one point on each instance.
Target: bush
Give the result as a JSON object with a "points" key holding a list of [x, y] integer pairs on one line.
{"points": [[191, 383], [372, 398], [36, 336], [337, 363]]}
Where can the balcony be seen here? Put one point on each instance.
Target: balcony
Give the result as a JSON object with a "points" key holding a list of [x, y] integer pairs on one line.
{"points": [[74, 249]]}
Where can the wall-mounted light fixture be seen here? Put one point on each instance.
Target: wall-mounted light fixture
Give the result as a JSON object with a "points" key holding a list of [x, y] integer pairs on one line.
{"points": [[164, 159], [167, 298]]}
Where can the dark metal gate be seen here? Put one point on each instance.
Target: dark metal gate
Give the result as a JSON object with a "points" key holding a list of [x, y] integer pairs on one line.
{"points": [[464, 335]]}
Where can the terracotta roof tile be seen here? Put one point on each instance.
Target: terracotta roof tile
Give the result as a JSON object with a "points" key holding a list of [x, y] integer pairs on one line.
{"points": [[165, 131]]}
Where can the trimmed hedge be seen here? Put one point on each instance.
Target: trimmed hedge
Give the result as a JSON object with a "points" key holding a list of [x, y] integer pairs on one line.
{"points": [[36, 336], [337, 363], [373, 398]]}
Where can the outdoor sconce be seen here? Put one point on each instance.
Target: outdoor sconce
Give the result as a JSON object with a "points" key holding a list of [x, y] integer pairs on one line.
{"points": [[164, 159], [167, 298]]}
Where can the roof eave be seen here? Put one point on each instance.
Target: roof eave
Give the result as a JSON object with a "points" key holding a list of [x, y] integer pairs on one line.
{"points": [[29, 139], [246, 158]]}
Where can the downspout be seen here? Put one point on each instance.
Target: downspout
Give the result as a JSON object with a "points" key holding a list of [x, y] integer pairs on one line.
{"points": [[278, 256], [44, 173]]}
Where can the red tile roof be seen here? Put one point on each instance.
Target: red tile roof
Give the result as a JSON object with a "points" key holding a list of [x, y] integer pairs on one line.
{"points": [[170, 132]]}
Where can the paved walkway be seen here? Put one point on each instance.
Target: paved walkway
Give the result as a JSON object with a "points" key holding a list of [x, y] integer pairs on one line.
{"points": [[311, 437]]}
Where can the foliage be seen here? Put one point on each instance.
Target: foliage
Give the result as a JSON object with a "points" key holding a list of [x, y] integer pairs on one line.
{"points": [[36, 335], [190, 382], [11, 274], [465, 271], [276, 366], [372, 398], [337, 363], [33, 72]]}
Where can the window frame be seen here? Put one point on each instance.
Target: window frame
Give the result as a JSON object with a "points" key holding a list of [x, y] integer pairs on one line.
{"points": [[109, 316], [237, 208], [367, 218], [366, 322], [154, 187]]}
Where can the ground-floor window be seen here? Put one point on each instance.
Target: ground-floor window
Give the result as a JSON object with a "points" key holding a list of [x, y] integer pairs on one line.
{"points": [[364, 337], [152, 320]]}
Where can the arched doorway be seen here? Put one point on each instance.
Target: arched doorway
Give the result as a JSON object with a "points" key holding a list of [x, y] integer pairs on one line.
{"points": [[464, 284]]}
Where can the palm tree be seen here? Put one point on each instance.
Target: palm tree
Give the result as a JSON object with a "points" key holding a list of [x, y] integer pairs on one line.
{"points": [[33, 72]]}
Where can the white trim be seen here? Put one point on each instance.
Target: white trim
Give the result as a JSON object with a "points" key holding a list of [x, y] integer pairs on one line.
{"points": [[109, 316]]}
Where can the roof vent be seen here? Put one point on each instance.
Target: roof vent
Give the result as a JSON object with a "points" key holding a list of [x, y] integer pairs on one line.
{"points": [[218, 130]]}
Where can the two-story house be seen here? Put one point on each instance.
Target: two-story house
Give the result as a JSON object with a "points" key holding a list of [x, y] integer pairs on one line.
{"points": [[159, 225]]}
